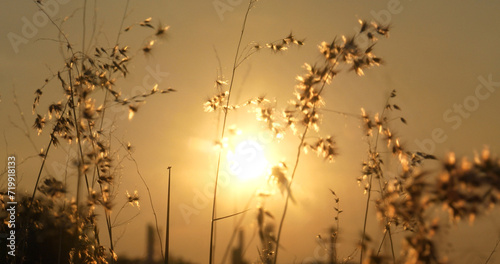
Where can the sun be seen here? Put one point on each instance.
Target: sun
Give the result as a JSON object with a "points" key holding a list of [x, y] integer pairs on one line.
{"points": [[247, 160]]}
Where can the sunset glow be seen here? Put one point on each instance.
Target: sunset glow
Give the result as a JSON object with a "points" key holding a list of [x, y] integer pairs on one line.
{"points": [[247, 160]]}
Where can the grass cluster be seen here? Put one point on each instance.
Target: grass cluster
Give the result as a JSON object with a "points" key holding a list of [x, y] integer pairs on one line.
{"points": [[406, 202], [59, 222]]}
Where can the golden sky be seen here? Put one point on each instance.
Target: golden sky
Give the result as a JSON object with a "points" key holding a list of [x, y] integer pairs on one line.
{"points": [[441, 57]]}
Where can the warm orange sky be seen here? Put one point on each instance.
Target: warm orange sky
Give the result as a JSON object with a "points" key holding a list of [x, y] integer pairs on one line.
{"points": [[437, 56]]}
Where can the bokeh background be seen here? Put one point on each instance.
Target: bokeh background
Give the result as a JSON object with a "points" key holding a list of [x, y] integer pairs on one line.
{"points": [[436, 57]]}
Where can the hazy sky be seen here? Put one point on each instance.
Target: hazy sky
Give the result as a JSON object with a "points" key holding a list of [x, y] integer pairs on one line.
{"points": [[437, 57]]}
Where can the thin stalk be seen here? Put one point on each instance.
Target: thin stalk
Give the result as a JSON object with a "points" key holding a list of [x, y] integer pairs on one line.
{"points": [[150, 201], [73, 107], [110, 233], [118, 214], [84, 27], [392, 244], [167, 236], [369, 193], [366, 218], [212, 223], [54, 23], [94, 25], [231, 240], [109, 224], [299, 151], [41, 168], [341, 113], [381, 243], [26, 129], [333, 247], [121, 23], [492, 252], [388, 229], [231, 215], [335, 231]]}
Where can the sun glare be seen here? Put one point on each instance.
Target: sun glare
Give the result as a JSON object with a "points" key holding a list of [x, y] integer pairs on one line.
{"points": [[247, 160]]}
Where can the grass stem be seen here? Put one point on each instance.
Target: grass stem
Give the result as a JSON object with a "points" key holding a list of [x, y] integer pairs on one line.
{"points": [[212, 223], [492, 252], [167, 235]]}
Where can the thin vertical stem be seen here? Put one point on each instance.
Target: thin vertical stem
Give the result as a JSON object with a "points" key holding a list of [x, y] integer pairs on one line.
{"points": [[366, 218], [167, 236], [388, 226], [212, 223], [84, 27], [44, 158], [381, 243], [150, 202], [121, 23], [370, 189], [110, 233], [299, 151], [78, 139], [333, 246], [493, 251]]}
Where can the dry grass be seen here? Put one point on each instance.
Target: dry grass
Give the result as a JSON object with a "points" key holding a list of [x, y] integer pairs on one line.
{"points": [[405, 202], [86, 81]]}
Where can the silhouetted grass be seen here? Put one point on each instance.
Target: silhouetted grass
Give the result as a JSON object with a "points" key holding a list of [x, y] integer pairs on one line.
{"points": [[405, 201], [87, 89]]}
